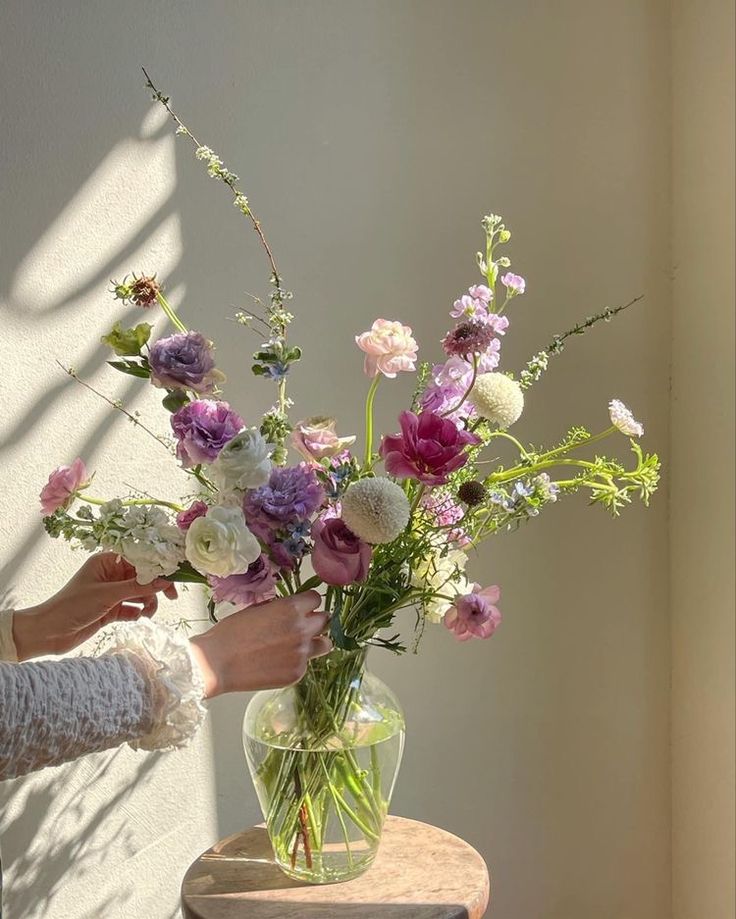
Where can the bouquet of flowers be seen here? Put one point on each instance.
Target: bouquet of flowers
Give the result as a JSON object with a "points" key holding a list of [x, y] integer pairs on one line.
{"points": [[389, 529]]}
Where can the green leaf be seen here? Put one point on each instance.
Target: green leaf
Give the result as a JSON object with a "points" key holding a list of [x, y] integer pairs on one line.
{"points": [[174, 400], [131, 368], [127, 342], [339, 638]]}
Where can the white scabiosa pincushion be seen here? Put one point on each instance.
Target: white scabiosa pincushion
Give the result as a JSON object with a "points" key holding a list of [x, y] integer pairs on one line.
{"points": [[498, 398], [376, 510]]}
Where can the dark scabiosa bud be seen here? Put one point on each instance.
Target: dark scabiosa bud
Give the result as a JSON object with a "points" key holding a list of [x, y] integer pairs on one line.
{"points": [[472, 493]]}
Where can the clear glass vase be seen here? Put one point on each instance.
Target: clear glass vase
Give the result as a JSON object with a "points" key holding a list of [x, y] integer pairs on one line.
{"points": [[324, 755]]}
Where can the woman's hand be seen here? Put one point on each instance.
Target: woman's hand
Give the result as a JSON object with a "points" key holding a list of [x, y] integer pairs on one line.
{"points": [[263, 647], [104, 590]]}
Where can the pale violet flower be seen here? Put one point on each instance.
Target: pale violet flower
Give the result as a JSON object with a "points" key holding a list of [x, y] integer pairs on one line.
{"points": [[622, 418], [513, 283], [221, 544], [481, 292], [468, 307], [244, 462]]}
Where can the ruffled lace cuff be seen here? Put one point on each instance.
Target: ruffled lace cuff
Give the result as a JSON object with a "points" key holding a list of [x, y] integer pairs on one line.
{"points": [[173, 678], [7, 644]]}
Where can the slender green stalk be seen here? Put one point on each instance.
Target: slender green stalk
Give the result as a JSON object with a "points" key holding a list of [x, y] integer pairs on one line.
{"points": [[369, 420], [131, 502], [172, 317]]}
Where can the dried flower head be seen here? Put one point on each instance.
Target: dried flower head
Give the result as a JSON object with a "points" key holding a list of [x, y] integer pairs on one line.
{"points": [[469, 337], [142, 291]]}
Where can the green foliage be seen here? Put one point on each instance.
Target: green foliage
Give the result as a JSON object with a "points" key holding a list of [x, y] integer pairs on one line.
{"points": [[127, 342]]}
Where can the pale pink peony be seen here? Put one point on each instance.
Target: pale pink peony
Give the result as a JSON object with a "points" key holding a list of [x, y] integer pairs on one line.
{"points": [[316, 439], [475, 615], [389, 348], [61, 486]]}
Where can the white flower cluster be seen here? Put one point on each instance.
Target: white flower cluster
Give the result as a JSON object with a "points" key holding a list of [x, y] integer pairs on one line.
{"points": [[623, 419], [443, 573], [144, 536]]}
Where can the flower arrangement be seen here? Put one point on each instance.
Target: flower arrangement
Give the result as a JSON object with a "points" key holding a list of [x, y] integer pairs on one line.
{"points": [[389, 530]]}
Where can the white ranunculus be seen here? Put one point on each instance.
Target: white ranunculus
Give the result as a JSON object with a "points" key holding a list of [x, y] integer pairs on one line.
{"points": [[243, 462], [444, 574], [220, 543]]}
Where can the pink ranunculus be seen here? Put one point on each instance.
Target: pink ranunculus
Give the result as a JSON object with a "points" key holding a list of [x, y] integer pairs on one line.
{"points": [[184, 519], [316, 439], [475, 615], [339, 557], [61, 486], [428, 448], [389, 348]]}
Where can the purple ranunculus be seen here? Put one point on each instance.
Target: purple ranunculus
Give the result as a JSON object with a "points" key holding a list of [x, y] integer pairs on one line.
{"points": [[293, 493], [202, 429], [184, 519], [339, 557], [428, 448], [257, 584], [184, 361]]}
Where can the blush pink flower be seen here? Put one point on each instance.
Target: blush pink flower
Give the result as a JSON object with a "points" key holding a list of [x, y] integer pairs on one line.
{"points": [[316, 439], [61, 486], [428, 448], [475, 615], [339, 557], [389, 348]]}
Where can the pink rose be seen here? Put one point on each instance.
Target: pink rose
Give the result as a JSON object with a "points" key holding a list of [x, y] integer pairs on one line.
{"points": [[338, 556], [184, 519], [389, 348], [61, 486], [475, 615], [428, 448], [316, 439]]}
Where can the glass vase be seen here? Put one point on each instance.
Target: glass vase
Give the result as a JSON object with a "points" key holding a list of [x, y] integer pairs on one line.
{"points": [[324, 755]]}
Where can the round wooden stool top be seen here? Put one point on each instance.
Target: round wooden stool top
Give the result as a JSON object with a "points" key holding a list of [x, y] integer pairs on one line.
{"points": [[420, 872]]}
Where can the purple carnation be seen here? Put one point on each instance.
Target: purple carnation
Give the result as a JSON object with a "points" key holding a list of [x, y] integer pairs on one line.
{"points": [[257, 584], [184, 361], [293, 493], [202, 429]]}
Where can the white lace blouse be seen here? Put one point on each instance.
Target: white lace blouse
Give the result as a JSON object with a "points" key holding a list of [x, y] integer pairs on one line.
{"points": [[146, 690]]}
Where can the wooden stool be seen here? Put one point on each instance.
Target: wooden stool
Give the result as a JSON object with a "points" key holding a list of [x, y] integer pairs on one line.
{"points": [[420, 872]]}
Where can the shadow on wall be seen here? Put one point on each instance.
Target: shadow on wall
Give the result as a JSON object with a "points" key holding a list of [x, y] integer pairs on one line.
{"points": [[54, 821]]}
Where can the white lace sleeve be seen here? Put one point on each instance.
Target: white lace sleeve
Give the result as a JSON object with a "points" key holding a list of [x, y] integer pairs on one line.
{"points": [[147, 691]]}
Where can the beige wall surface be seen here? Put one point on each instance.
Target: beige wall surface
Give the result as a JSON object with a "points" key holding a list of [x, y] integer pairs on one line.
{"points": [[702, 491], [371, 137]]}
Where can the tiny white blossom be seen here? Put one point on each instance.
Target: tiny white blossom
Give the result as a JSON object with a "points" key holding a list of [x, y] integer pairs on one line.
{"points": [[623, 419]]}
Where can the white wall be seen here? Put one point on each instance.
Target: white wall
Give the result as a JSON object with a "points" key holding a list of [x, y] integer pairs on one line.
{"points": [[371, 136], [702, 494]]}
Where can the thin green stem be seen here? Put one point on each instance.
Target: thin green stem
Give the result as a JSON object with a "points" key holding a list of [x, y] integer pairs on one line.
{"points": [[131, 502], [467, 391], [369, 420], [520, 447], [173, 318]]}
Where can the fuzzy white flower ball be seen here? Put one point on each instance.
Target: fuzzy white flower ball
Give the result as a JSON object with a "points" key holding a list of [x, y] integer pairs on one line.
{"points": [[376, 510], [622, 418], [498, 398]]}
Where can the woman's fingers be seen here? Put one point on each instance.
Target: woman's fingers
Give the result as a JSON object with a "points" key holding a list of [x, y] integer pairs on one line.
{"points": [[321, 645]]}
